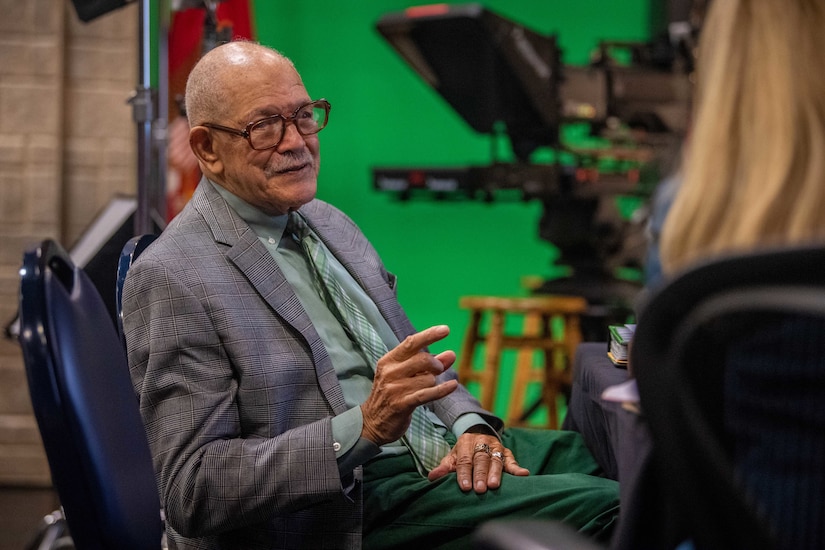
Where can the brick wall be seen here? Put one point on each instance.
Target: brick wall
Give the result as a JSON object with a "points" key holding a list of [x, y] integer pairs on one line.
{"points": [[67, 145]]}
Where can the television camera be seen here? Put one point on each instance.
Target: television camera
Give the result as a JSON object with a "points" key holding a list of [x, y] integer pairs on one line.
{"points": [[508, 81]]}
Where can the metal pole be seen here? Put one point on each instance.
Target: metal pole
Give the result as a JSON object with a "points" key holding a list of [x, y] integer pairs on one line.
{"points": [[161, 131], [143, 114], [151, 129]]}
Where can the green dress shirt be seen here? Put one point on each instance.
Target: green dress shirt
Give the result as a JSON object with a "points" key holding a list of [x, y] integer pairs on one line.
{"points": [[354, 372]]}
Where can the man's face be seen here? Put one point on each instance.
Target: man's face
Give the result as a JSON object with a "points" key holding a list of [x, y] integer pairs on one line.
{"points": [[275, 180]]}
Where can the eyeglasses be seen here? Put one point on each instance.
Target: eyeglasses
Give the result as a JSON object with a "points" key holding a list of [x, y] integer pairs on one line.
{"points": [[268, 132]]}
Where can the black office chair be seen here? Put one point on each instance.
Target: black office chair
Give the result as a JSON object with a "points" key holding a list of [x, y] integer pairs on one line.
{"points": [[85, 407], [133, 248], [730, 363]]}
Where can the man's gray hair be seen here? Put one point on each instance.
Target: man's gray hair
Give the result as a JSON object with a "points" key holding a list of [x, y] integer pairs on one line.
{"points": [[206, 97]]}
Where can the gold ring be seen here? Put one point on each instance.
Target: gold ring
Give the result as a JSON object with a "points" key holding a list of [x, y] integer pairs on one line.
{"points": [[482, 448]]}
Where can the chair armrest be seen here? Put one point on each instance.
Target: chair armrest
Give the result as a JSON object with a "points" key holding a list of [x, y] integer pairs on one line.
{"points": [[530, 535]]}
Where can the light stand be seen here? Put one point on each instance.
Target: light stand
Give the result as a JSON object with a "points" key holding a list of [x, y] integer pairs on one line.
{"points": [[151, 128], [149, 108]]}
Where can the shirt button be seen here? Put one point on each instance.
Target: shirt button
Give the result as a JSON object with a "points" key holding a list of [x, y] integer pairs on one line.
{"points": [[336, 446], [271, 240]]}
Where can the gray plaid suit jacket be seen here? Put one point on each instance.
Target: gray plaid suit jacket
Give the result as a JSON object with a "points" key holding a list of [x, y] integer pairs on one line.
{"points": [[236, 389]]}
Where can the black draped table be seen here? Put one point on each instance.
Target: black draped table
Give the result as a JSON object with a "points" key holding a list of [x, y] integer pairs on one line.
{"points": [[619, 439]]}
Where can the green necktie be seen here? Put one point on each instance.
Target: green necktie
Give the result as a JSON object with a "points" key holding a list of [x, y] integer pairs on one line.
{"points": [[427, 446]]}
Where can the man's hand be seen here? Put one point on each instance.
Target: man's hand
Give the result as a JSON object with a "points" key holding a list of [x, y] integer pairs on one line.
{"points": [[478, 461], [405, 379]]}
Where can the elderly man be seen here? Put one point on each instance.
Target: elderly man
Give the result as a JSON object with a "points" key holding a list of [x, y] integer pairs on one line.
{"points": [[288, 401]]}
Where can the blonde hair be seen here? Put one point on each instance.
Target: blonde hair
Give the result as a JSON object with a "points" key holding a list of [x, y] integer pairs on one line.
{"points": [[754, 168]]}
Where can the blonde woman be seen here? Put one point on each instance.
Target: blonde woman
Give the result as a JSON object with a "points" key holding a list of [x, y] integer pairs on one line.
{"points": [[754, 171], [753, 176]]}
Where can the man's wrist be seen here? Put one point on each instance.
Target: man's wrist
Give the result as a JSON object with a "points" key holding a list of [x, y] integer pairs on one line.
{"points": [[481, 429], [472, 420]]}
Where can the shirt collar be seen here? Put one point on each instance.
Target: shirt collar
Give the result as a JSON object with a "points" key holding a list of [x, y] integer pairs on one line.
{"points": [[264, 225]]}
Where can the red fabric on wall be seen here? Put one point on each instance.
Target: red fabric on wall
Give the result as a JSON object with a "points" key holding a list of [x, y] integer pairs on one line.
{"points": [[186, 38]]}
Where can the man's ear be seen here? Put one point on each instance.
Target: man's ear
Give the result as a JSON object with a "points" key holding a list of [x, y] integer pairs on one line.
{"points": [[200, 139]]}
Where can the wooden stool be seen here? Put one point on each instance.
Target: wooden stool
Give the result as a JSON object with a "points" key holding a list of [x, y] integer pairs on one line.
{"points": [[554, 374]]}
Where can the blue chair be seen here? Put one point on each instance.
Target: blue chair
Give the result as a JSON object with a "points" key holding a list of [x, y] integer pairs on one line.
{"points": [[133, 248], [85, 407]]}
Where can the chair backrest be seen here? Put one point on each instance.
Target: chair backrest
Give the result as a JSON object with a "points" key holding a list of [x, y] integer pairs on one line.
{"points": [[730, 364], [85, 406], [131, 250]]}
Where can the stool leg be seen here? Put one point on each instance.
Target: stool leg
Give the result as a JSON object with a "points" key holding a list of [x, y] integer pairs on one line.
{"points": [[524, 373], [468, 349], [559, 378], [572, 339], [489, 377], [550, 391]]}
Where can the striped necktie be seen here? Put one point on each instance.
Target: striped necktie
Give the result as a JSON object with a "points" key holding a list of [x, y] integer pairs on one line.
{"points": [[427, 446]]}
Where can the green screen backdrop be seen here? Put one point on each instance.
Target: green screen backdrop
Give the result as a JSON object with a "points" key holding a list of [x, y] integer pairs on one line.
{"points": [[384, 114]]}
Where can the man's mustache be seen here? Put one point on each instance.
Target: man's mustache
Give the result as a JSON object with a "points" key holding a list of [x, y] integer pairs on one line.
{"points": [[289, 161]]}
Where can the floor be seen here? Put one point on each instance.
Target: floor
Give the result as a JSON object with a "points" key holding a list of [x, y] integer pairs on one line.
{"points": [[21, 510]]}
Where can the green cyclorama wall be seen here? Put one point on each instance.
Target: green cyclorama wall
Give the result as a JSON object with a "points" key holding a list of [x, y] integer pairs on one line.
{"points": [[384, 114]]}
